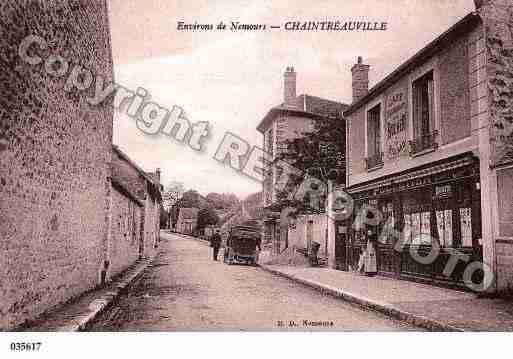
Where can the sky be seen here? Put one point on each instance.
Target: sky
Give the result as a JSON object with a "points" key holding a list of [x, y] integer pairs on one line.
{"points": [[231, 79]]}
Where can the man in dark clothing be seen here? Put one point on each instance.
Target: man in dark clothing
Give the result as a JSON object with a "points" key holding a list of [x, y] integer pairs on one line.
{"points": [[216, 243]]}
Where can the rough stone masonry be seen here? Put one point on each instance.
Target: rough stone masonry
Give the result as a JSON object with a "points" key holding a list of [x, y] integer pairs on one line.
{"points": [[54, 159]]}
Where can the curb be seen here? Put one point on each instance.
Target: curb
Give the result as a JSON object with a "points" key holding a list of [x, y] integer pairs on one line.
{"points": [[385, 308], [104, 302]]}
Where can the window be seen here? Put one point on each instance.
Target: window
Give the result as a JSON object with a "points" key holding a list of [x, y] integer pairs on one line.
{"points": [[423, 114], [466, 226], [423, 105], [389, 215], [374, 154], [444, 226], [418, 228]]}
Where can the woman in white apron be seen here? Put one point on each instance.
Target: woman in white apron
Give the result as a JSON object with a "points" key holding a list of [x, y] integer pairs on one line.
{"points": [[370, 261]]}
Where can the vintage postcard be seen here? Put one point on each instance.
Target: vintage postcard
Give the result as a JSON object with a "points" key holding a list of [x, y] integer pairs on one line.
{"points": [[262, 166]]}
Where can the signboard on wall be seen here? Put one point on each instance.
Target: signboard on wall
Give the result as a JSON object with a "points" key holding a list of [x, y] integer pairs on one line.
{"points": [[396, 124]]}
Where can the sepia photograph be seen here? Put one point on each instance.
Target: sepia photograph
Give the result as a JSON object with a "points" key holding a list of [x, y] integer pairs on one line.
{"points": [[205, 168]]}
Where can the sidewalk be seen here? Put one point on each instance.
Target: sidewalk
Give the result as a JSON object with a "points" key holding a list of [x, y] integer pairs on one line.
{"points": [[425, 306], [80, 312]]}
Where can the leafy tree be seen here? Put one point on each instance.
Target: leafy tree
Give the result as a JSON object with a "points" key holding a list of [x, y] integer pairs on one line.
{"points": [[319, 154], [173, 214], [254, 206], [216, 200], [190, 199], [222, 200], [230, 200], [164, 217], [207, 216]]}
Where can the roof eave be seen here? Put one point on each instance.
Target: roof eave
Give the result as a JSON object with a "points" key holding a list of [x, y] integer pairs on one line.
{"points": [[427, 51]]}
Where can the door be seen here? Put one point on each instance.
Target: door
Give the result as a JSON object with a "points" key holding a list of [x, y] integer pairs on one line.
{"points": [[340, 245]]}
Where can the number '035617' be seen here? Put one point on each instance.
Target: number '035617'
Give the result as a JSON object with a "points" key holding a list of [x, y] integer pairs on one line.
{"points": [[25, 347]]}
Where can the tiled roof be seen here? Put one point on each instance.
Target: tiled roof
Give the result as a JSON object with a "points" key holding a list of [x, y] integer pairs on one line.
{"points": [[321, 106], [308, 106]]}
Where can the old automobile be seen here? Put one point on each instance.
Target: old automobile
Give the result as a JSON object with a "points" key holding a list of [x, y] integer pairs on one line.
{"points": [[241, 245]]}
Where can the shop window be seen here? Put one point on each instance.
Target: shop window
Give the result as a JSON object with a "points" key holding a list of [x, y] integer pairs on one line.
{"points": [[374, 153], [444, 227], [388, 213], [424, 133], [417, 228], [466, 226], [407, 228]]}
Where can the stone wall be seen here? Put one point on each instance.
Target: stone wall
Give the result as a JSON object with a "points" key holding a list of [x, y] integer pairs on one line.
{"points": [[125, 232], [54, 154], [497, 16], [505, 184], [504, 275], [151, 226], [504, 243], [132, 178]]}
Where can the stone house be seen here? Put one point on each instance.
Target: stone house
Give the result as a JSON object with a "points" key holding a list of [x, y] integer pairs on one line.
{"points": [[187, 220], [291, 119], [134, 213], [422, 150]]}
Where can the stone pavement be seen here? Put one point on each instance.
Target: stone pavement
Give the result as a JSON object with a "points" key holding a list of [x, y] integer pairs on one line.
{"points": [[423, 305], [80, 312]]}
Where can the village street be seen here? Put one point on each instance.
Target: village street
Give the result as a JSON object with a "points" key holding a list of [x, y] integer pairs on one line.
{"points": [[184, 289]]}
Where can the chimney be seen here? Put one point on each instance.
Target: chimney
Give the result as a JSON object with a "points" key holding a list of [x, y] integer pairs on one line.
{"points": [[157, 172], [289, 87], [360, 81]]}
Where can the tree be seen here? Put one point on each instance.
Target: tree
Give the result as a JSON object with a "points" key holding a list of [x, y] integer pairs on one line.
{"points": [[319, 154], [207, 216], [164, 217], [216, 200], [170, 197], [254, 205], [190, 199], [230, 200], [172, 193], [222, 200]]}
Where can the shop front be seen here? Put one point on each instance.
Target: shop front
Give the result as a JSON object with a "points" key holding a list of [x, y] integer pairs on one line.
{"points": [[439, 202]]}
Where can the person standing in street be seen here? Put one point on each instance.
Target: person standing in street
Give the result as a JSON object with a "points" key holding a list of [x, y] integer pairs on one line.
{"points": [[216, 243]]}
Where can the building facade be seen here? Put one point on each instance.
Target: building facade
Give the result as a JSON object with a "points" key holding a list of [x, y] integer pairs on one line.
{"points": [[187, 220], [419, 152], [134, 213], [293, 118]]}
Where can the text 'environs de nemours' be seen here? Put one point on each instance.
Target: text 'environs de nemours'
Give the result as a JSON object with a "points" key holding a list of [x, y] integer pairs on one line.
{"points": [[327, 25]]}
